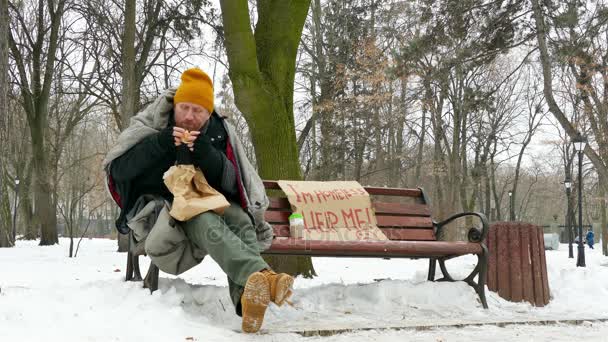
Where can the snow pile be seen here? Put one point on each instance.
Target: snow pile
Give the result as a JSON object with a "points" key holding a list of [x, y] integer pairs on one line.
{"points": [[47, 296]]}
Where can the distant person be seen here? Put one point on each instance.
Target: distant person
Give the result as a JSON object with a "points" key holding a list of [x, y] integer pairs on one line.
{"points": [[590, 238]]}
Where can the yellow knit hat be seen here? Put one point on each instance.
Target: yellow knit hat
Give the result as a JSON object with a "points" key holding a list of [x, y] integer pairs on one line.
{"points": [[197, 88]]}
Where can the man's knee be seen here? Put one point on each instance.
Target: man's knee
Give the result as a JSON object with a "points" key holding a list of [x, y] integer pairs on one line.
{"points": [[235, 215], [206, 219], [205, 227]]}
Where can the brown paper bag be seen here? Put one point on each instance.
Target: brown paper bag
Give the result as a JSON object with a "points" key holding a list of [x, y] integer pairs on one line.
{"points": [[192, 195]]}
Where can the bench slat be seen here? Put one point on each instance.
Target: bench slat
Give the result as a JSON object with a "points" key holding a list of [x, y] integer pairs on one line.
{"points": [[275, 217], [273, 185], [393, 192], [417, 234], [404, 209], [372, 249], [279, 203], [404, 221]]}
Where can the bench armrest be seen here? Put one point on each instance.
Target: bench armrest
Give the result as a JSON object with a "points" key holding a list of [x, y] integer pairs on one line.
{"points": [[474, 234]]}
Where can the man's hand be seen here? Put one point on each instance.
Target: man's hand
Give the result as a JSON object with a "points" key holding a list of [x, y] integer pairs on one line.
{"points": [[182, 136]]}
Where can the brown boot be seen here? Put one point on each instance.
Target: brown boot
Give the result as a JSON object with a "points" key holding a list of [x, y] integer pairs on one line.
{"points": [[280, 286], [254, 301]]}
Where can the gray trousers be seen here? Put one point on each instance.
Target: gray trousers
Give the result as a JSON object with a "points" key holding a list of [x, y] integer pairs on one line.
{"points": [[232, 242]]}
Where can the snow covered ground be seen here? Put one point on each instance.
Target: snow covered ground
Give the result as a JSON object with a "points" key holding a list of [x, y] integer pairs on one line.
{"points": [[46, 296]]}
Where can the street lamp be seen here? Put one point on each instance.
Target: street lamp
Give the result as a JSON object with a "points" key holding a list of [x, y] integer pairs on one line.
{"points": [[511, 212], [568, 185], [579, 143], [15, 211]]}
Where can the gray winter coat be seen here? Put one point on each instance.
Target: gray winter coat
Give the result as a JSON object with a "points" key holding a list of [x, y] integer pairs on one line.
{"points": [[150, 220]]}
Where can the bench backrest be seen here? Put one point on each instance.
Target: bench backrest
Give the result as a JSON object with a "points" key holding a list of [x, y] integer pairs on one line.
{"points": [[398, 221]]}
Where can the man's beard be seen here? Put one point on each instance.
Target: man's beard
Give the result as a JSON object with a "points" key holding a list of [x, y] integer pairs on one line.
{"points": [[188, 127]]}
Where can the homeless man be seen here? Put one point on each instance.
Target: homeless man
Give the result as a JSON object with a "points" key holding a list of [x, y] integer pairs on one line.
{"points": [[135, 167]]}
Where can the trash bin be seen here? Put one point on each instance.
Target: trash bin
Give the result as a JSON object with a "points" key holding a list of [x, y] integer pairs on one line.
{"points": [[517, 268]]}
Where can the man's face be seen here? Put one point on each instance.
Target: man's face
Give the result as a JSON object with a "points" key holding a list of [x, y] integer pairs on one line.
{"points": [[190, 116]]}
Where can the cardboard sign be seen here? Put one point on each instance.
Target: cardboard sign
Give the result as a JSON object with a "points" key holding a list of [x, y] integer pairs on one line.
{"points": [[332, 211]]}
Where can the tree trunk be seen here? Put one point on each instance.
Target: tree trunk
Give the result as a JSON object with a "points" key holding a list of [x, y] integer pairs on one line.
{"points": [[26, 212], [129, 87], [327, 159], [5, 216], [604, 230], [69, 224], [420, 152], [45, 214], [5, 241], [497, 198], [262, 71], [516, 178], [399, 151], [487, 204], [127, 108]]}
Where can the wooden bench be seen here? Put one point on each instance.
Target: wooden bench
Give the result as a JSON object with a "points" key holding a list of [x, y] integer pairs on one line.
{"points": [[409, 226]]}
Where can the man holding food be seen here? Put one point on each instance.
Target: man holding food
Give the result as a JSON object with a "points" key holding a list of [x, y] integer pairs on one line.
{"points": [[135, 168]]}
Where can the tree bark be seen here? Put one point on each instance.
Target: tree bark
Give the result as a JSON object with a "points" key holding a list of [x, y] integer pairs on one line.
{"points": [[604, 230], [420, 152], [26, 212], [5, 217], [323, 114], [525, 143], [5, 241], [45, 213], [130, 92], [127, 107]]}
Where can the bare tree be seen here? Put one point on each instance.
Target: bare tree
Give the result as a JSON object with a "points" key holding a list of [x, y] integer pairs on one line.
{"points": [[584, 68], [73, 206], [580, 40], [34, 51], [5, 236], [535, 115]]}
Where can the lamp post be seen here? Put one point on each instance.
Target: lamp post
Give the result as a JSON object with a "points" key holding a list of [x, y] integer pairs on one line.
{"points": [[511, 212], [579, 143], [15, 211], [568, 185]]}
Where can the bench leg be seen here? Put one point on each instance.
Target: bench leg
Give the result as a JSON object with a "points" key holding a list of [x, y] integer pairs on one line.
{"points": [[137, 275], [129, 275], [432, 267], [133, 272], [480, 270], [151, 280], [444, 271], [480, 286]]}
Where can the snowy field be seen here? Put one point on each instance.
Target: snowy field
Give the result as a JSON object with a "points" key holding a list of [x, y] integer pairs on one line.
{"points": [[46, 296]]}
